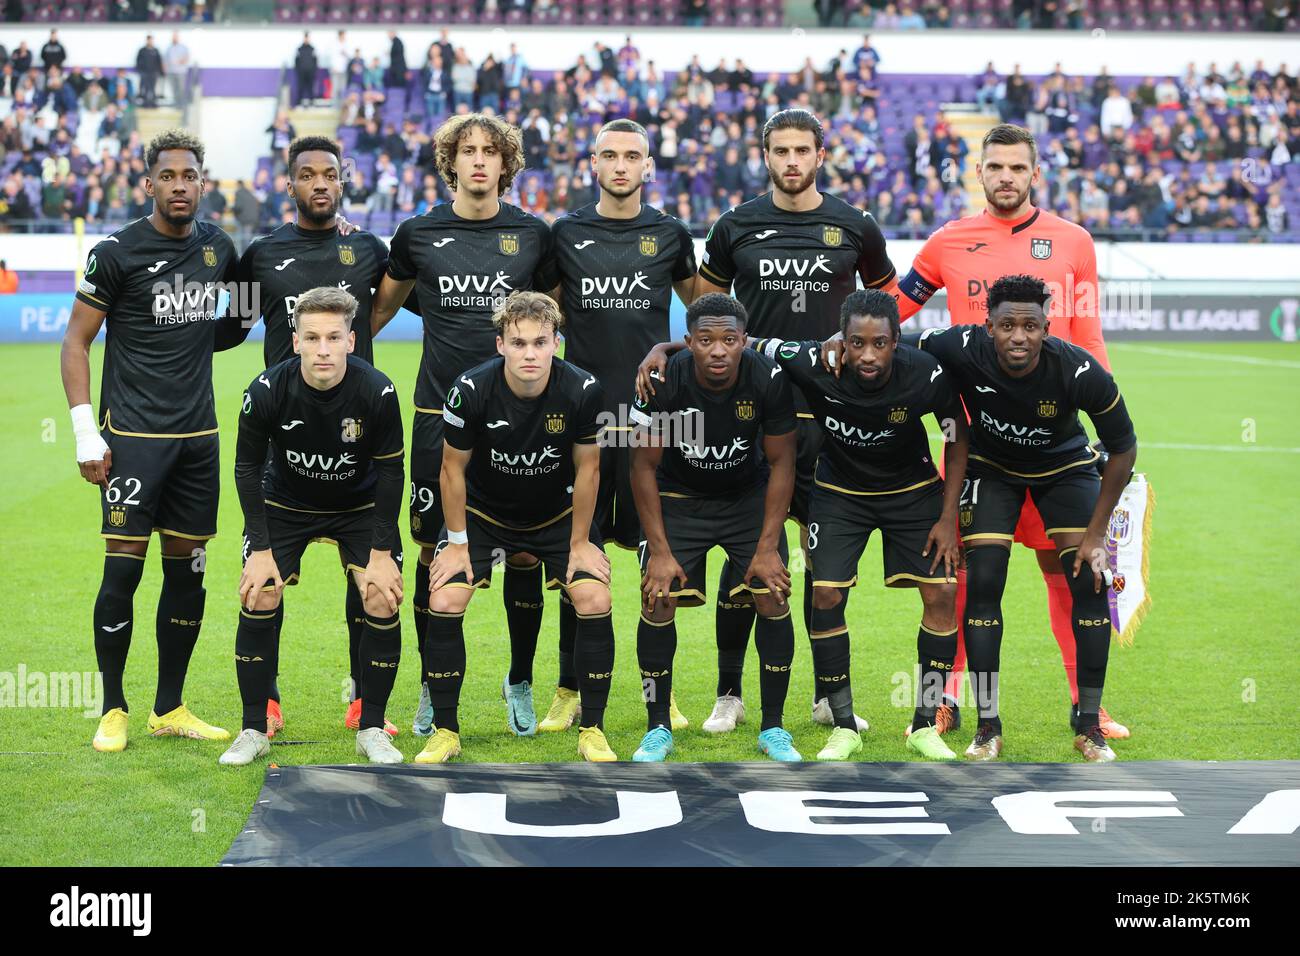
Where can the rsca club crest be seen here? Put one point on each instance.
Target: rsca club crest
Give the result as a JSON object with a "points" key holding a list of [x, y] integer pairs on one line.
{"points": [[745, 411], [117, 517], [898, 415], [346, 256], [209, 256], [1046, 409], [555, 423], [1040, 248], [832, 235], [351, 429], [508, 243], [649, 245], [966, 516]]}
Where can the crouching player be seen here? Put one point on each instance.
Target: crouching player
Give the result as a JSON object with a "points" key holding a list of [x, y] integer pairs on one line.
{"points": [[520, 472], [700, 479], [334, 429], [874, 471], [1024, 390]]}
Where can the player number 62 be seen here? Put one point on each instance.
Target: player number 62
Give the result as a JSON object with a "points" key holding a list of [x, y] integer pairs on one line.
{"points": [[114, 495]]}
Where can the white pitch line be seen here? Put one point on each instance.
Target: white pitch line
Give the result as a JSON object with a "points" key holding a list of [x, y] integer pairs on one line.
{"points": [[1175, 353], [1177, 446]]}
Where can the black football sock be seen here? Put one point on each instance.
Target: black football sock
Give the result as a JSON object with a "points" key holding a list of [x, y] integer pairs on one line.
{"points": [[274, 659], [986, 578], [354, 610], [522, 596], [180, 614], [444, 666], [831, 665], [656, 644], [733, 622], [255, 639], [568, 635], [774, 640], [594, 652], [1090, 618], [935, 652], [381, 651], [420, 605], [113, 621]]}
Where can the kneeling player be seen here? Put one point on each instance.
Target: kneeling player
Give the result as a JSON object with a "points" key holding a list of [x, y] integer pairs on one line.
{"points": [[334, 428], [707, 485], [1024, 390], [875, 472], [520, 472]]}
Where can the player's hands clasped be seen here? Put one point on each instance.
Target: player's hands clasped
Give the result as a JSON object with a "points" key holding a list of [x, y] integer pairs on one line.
{"points": [[662, 573], [656, 361], [449, 562], [942, 540], [258, 569], [585, 556], [382, 575], [1092, 551], [768, 567]]}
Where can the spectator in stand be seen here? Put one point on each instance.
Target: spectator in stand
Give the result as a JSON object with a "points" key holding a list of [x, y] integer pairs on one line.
{"points": [[396, 74], [1116, 112], [52, 54], [489, 84], [464, 79], [177, 68], [304, 69], [149, 64]]}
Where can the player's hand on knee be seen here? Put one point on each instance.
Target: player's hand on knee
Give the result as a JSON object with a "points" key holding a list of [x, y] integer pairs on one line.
{"points": [[656, 361], [1092, 551], [95, 469], [258, 569], [585, 556], [449, 562], [383, 578], [768, 567], [943, 544], [662, 573], [833, 354]]}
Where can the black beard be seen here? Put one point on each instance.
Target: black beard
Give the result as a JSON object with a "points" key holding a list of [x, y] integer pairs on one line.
{"points": [[305, 211], [779, 182], [167, 217]]}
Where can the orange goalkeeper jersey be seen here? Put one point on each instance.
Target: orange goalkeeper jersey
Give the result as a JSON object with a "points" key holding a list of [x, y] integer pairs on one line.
{"points": [[966, 256]]}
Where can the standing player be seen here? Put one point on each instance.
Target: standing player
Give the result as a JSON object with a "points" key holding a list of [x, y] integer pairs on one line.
{"points": [[711, 488], [1013, 236], [463, 259], [1024, 390], [154, 451], [793, 254], [293, 258], [520, 472], [875, 471], [333, 427], [617, 263]]}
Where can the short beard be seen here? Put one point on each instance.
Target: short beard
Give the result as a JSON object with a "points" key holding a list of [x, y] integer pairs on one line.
{"points": [[1003, 205], [166, 216], [475, 190], [305, 211], [778, 181]]}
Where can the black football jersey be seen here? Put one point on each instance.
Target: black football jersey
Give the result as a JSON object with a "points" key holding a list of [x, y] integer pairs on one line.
{"points": [[162, 299], [463, 269], [875, 439], [616, 277], [291, 260], [715, 438], [521, 471], [1029, 426], [793, 270], [322, 443]]}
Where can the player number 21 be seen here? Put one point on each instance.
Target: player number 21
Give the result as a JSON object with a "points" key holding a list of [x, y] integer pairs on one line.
{"points": [[973, 489], [114, 495]]}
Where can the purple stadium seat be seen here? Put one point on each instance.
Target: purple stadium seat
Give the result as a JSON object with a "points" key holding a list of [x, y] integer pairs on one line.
{"points": [[465, 14], [593, 15], [516, 16], [363, 14]]}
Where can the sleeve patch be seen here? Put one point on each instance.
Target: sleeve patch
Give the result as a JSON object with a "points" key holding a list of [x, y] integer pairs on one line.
{"points": [[451, 418]]}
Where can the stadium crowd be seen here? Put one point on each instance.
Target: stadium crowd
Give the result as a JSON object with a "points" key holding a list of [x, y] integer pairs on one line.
{"points": [[1214, 153]]}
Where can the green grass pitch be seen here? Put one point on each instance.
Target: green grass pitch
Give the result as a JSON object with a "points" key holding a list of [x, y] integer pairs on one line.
{"points": [[1212, 675]]}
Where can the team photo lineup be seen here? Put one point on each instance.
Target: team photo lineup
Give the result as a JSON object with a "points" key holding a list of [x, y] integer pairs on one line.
{"points": [[797, 393]]}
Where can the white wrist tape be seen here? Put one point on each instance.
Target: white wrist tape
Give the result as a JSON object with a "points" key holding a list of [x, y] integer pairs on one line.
{"points": [[90, 446], [457, 537]]}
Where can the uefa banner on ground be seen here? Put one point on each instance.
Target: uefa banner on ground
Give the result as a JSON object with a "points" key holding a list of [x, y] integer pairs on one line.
{"points": [[1131, 814], [1130, 311]]}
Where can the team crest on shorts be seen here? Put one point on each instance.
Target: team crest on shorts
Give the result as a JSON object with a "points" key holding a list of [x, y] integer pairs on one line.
{"points": [[745, 411], [117, 517], [554, 423], [966, 516], [1046, 409], [649, 245], [351, 429], [508, 243], [415, 524], [209, 256], [1040, 248], [347, 256], [832, 235], [898, 415]]}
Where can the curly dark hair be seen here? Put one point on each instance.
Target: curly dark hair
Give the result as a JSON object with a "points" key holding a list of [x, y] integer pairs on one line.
{"points": [[173, 139], [508, 140], [1018, 288], [875, 303], [308, 144], [715, 303]]}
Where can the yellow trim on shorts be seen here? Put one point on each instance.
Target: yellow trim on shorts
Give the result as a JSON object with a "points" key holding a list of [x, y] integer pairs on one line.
{"points": [[897, 491], [126, 537], [178, 557], [354, 567], [988, 536], [807, 415], [694, 593], [836, 633], [1063, 530], [618, 428], [304, 511], [424, 544], [188, 537], [477, 585], [428, 411], [537, 527], [939, 633], [674, 494], [1073, 547], [556, 584], [904, 576], [128, 554], [400, 451], [1038, 474], [108, 423], [836, 584], [524, 567]]}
